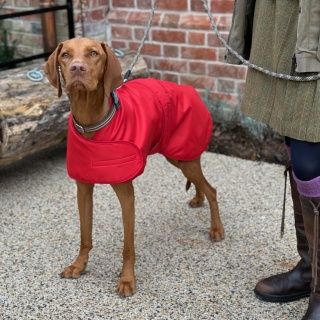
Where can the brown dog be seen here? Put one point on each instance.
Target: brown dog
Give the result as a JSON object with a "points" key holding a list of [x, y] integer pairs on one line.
{"points": [[91, 71]]}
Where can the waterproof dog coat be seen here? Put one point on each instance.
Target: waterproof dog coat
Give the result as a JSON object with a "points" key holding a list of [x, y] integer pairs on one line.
{"points": [[154, 117]]}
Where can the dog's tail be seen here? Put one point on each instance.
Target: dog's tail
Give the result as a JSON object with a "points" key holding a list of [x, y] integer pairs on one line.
{"points": [[188, 185]]}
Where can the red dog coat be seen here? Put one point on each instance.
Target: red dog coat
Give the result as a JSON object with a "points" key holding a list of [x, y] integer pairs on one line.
{"points": [[154, 117]]}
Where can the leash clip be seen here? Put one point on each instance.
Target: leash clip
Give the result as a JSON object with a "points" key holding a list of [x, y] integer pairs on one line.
{"points": [[126, 76], [115, 99]]}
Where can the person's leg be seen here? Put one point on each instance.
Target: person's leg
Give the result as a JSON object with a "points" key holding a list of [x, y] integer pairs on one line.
{"points": [[306, 168], [305, 158], [294, 284]]}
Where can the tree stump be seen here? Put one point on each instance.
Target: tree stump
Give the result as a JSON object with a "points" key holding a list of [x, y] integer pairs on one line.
{"points": [[32, 117]]}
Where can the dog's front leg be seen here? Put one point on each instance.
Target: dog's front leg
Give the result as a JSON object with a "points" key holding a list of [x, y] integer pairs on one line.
{"points": [[85, 205], [125, 194]]}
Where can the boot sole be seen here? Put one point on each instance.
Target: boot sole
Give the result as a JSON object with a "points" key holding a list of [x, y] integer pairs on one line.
{"points": [[283, 298]]}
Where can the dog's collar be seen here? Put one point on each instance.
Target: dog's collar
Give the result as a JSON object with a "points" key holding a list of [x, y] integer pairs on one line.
{"points": [[101, 124]]}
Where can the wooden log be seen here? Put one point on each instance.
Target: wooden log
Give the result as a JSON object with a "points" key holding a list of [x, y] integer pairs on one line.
{"points": [[32, 117]]}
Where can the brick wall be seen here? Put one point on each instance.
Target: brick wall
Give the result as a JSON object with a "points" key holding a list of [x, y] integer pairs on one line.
{"points": [[93, 23], [89, 20], [181, 45], [25, 31]]}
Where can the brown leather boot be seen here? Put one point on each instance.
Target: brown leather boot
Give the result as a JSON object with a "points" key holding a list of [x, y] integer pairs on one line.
{"points": [[294, 284], [310, 209]]}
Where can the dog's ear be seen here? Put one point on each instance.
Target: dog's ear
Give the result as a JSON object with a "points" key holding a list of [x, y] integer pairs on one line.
{"points": [[51, 69], [112, 72]]}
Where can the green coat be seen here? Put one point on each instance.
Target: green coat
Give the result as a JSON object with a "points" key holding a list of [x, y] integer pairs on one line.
{"points": [[241, 30], [291, 108], [307, 49]]}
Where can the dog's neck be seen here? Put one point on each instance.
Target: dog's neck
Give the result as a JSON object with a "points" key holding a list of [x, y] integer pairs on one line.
{"points": [[89, 107]]}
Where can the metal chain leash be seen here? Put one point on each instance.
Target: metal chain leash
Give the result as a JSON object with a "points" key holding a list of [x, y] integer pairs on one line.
{"points": [[127, 74], [252, 65]]}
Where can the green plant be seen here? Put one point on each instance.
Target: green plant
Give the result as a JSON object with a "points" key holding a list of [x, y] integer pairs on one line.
{"points": [[7, 50]]}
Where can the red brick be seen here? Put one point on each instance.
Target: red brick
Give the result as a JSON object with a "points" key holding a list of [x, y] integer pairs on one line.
{"points": [[123, 3], [209, 54], [133, 46], [170, 51], [216, 6], [77, 17], [225, 70], [96, 3], [118, 16], [139, 33], [178, 5], [170, 20], [98, 14], [121, 32], [197, 38], [221, 54], [197, 67], [148, 48], [104, 3], [197, 6], [214, 41], [144, 4], [138, 17], [119, 44], [142, 18], [222, 6], [170, 65], [195, 21], [224, 23], [201, 82], [169, 36], [173, 77], [151, 49], [156, 75]]}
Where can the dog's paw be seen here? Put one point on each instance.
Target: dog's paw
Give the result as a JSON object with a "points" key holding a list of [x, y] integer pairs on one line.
{"points": [[217, 233], [126, 288], [72, 272], [196, 202]]}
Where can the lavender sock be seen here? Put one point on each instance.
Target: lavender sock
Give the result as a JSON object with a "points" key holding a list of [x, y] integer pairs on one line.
{"points": [[310, 188]]}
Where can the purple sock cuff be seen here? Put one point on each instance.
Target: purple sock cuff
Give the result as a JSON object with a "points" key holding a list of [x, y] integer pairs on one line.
{"points": [[310, 188]]}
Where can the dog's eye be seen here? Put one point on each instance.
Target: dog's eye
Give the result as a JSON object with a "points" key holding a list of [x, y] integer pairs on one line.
{"points": [[93, 53], [65, 55]]}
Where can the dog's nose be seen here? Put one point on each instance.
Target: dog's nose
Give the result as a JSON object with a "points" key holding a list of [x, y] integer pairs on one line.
{"points": [[77, 68]]}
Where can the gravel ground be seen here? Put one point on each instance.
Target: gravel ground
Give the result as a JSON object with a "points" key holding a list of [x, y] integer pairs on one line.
{"points": [[180, 273]]}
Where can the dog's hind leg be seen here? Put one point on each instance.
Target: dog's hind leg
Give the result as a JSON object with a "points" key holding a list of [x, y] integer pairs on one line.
{"points": [[193, 172], [125, 194], [198, 200], [84, 196]]}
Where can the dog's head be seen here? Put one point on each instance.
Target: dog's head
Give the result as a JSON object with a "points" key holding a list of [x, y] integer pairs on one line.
{"points": [[84, 63]]}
